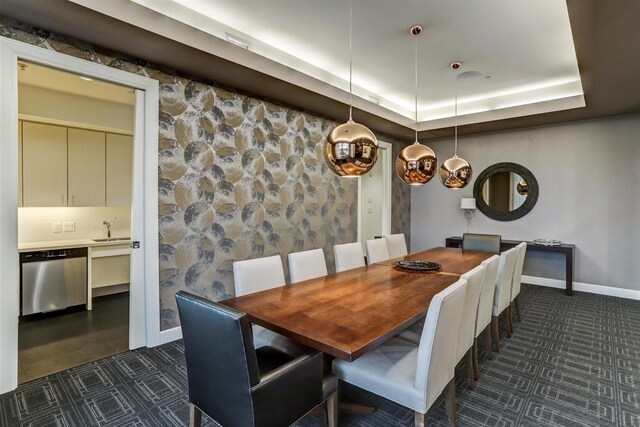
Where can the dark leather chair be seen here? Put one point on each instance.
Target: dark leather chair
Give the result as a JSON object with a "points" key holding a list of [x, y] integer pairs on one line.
{"points": [[238, 385], [481, 242]]}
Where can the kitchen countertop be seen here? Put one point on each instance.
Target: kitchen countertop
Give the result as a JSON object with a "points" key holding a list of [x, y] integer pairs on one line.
{"points": [[65, 244]]}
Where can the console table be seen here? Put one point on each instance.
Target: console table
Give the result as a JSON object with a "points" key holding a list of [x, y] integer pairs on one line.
{"points": [[566, 248]]}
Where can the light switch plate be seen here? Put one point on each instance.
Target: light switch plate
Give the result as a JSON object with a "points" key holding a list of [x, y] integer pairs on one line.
{"points": [[69, 226], [57, 227]]}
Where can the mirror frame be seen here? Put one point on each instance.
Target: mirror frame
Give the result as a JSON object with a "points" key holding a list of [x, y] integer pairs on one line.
{"points": [[525, 208]]}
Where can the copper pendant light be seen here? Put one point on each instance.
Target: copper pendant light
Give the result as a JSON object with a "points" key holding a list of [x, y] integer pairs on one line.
{"points": [[417, 163], [351, 149], [455, 172]]}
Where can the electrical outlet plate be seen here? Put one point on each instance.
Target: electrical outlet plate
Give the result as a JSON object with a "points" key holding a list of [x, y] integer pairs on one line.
{"points": [[57, 227], [69, 226]]}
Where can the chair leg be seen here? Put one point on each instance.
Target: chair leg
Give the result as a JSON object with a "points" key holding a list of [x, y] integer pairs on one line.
{"points": [[487, 334], [331, 414], [195, 416], [450, 402], [517, 301], [476, 365], [470, 371], [496, 336], [421, 419], [509, 314]]}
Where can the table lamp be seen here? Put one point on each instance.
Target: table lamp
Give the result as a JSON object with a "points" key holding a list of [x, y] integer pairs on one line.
{"points": [[469, 206]]}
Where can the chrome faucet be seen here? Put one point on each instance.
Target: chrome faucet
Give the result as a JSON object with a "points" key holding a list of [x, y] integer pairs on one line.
{"points": [[108, 224]]}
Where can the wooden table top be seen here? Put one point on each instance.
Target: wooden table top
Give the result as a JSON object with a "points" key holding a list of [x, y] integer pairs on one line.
{"points": [[350, 313]]}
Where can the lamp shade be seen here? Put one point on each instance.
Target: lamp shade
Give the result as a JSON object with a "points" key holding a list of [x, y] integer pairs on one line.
{"points": [[467, 203]]}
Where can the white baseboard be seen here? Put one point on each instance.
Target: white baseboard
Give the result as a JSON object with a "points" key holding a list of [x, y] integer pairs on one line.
{"points": [[583, 287], [169, 335]]}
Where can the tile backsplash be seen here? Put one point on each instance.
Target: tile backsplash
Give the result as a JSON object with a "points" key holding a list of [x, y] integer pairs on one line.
{"points": [[36, 224]]}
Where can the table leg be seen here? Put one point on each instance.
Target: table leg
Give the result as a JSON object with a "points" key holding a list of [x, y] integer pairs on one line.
{"points": [[569, 272]]}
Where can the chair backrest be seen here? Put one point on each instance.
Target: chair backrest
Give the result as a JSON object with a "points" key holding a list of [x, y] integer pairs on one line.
{"points": [[397, 245], [481, 242], [437, 350], [307, 265], [485, 305], [348, 256], [376, 250], [517, 270], [221, 362], [503, 282], [466, 333], [258, 274]]}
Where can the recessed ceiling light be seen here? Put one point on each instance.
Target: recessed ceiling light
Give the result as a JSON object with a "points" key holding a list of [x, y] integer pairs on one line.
{"points": [[236, 41], [89, 79], [468, 75]]}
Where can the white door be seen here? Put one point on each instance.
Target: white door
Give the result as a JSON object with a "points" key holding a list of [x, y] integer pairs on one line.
{"points": [[374, 192]]}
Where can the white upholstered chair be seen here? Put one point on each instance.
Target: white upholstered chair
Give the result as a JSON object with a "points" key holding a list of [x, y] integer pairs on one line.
{"points": [[503, 292], [474, 278], [517, 281], [348, 256], [414, 375], [397, 245], [376, 250], [307, 265], [259, 274], [485, 308], [466, 333]]}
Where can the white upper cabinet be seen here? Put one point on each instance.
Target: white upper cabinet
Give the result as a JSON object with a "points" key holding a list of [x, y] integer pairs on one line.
{"points": [[119, 167], [44, 165], [74, 167], [86, 168]]}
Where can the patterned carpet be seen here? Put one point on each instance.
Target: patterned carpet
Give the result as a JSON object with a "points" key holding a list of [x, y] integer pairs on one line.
{"points": [[571, 362]]}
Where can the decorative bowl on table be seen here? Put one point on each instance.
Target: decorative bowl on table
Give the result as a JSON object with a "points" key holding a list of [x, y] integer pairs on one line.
{"points": [[547, 242], [418, 266]]}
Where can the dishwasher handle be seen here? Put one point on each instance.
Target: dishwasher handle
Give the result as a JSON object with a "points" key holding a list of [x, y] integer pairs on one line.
{"points": [[59, 255]]}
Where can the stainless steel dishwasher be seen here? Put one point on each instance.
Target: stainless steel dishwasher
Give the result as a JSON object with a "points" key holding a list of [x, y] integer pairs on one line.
{"points": [[53, 280]]}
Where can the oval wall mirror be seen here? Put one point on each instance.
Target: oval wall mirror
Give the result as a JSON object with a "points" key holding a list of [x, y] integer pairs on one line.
{"points": [[505, 191]]}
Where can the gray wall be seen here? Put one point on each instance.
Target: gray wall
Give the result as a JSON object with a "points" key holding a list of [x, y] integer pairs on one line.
{"points": [[588, 173]]}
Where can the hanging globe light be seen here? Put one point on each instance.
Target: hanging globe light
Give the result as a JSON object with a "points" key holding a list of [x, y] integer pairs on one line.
{"points": [[455, 172], [351, 149], [417, 163]]}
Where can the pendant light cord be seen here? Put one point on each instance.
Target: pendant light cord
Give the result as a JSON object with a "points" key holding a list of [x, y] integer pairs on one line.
{"points": [[350, 61], [455, 122], [416, 85]]}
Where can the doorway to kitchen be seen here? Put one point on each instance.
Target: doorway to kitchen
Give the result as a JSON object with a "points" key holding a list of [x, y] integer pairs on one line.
{"points": [[75, 169], [144, 319], [374, 197]]}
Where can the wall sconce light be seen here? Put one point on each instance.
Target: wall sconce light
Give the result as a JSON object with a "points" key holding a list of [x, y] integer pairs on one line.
{"points": [[469, 206]]}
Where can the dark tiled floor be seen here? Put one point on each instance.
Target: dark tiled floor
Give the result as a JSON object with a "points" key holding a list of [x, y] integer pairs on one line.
{"points": [[54, 342]]}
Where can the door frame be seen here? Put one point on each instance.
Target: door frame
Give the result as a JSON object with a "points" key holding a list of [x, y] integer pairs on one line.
{"points": [[144, 297], [385, 161]]}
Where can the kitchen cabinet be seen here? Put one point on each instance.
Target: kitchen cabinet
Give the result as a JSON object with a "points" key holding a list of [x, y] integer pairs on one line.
{"points": [[86, 167], [63, 166], [109, 270], [119, 166], [44, 165], [20, 163]]}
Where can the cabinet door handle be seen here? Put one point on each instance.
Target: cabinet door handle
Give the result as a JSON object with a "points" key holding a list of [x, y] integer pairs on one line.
{"points": [[73, 200]]}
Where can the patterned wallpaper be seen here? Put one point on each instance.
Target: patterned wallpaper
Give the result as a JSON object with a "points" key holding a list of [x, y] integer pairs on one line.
{"points": [[239, 178]]}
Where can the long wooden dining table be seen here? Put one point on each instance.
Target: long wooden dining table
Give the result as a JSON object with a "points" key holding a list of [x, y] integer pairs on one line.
{"points": [[349, 313]]}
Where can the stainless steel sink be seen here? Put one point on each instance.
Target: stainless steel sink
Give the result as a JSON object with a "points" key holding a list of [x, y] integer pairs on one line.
{"points": [[113, 239]]}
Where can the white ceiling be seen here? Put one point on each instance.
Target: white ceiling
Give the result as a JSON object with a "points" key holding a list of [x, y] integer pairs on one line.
{"points": [[522, 48], [62, 81]]}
